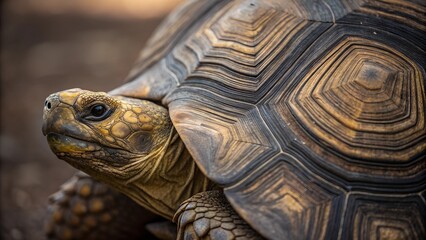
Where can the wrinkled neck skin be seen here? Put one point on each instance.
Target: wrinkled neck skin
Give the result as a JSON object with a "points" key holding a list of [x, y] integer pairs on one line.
{"points": [[174, 177]]}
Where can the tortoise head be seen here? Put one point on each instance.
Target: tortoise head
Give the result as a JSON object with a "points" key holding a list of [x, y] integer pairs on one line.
{"points": [[127, 143], [112, 138]]}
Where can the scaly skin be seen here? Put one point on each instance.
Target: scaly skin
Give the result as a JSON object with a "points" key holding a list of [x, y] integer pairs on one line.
{"points": [[208, 215], [128, 143], [84, 208]]}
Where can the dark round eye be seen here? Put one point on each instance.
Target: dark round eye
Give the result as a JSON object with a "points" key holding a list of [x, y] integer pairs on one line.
{"points": [[98, 110]]}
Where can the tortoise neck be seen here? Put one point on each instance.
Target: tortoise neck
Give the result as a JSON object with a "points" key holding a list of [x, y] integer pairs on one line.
{"points": [[175, 177]]}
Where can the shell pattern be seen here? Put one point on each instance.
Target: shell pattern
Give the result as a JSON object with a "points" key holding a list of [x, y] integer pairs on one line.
{"points": [[310, 114]]}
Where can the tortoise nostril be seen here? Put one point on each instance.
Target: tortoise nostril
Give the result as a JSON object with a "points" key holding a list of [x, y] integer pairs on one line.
{"points": [[48, 105]]}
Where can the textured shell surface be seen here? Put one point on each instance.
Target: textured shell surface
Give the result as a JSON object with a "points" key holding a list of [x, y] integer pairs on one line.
{"points": [[310, 114]]}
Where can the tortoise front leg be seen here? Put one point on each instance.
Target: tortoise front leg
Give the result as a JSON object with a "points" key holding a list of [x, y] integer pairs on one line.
{"points": [[208, 215], [86, 209]]}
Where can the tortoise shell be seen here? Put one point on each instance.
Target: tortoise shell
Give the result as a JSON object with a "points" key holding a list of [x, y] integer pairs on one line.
{"points": [[310, 115]]}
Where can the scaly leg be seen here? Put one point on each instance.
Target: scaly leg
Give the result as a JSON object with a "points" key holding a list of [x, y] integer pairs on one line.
{"points": [[86, 209], [208, 215]]}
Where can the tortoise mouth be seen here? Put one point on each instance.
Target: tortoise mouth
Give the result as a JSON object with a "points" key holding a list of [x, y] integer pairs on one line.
{"points": [[61, 144], [70, 148]]}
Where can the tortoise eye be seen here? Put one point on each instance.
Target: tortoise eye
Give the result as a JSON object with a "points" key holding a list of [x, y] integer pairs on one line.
{"points": [[98, 112]]}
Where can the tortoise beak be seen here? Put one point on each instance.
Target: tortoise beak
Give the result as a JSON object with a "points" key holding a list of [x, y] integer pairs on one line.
{"points": [[61, 127], [50, 105], [55, 105], [58, 110]]}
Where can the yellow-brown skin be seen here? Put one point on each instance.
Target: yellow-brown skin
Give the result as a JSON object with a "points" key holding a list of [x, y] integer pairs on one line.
{"points": [[128, 143]]}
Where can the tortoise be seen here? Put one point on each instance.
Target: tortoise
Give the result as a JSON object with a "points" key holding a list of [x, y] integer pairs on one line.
{"points": [[265, 119]]}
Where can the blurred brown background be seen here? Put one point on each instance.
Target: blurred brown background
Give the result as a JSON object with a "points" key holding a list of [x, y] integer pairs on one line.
{"points": [[48, 46]]}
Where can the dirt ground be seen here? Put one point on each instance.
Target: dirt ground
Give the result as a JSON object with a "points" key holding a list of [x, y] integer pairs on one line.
{"points": [[42, 54]]}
